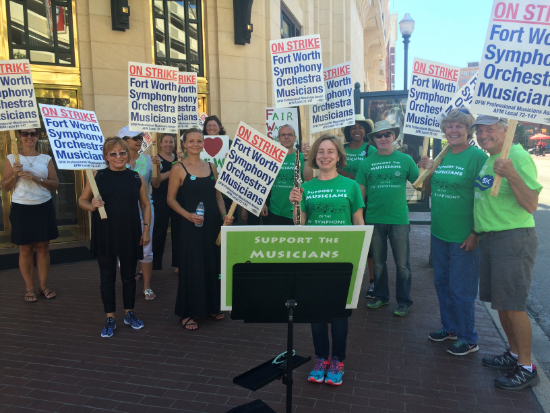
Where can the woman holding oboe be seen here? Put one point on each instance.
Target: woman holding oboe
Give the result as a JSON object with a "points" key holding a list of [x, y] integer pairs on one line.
{"points": [[327, 155]]}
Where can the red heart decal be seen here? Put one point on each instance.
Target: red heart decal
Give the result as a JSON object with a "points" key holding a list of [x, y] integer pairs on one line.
{"points": [[212, 146]]}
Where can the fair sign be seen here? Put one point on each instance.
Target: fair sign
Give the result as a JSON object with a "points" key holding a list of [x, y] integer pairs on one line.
{"points": [[251, 166], [295, 244], [18, 109], [297, 71], [215, 150], [188, 100], [338, 110], [153, 98], [433, 86], [513, 72], [275, 118], [75, 137]]}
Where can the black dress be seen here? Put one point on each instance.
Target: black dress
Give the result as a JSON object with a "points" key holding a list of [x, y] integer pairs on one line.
{"points": [[120, 233], [199, 269]]}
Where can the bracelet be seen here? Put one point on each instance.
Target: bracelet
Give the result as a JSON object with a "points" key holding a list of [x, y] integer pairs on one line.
{"points": [[476, 233], [224, 215], [147, 224]]}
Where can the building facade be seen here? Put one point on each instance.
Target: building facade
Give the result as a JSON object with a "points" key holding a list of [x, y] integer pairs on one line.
{"points": [[466, 73], [79, 61]]}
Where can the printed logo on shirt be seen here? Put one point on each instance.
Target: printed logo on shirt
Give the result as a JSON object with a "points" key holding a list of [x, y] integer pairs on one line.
{"points": [[484, 183], [397, 173]]}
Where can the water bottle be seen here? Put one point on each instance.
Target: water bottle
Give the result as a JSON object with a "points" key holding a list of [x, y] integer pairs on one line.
{"points": [[200, 212]]}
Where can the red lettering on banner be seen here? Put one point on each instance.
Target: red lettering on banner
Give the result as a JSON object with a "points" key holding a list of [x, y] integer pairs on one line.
{"points": [[338, 72], [49, 112], [303, 44], [162, 74], [86, 117], [187, 79], [244, 133], [14, 69], [533, 13]]}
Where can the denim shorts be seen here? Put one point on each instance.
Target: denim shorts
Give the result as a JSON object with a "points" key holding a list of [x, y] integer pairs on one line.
{"points": [[506, 267]]}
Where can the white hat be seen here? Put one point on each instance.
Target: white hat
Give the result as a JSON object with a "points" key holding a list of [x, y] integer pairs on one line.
{"points": [[125, 131]]}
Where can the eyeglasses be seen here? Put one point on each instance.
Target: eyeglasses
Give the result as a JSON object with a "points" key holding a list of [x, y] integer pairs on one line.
{"points": [[31, 134], [287, 135], [134, 138], [383, 135], [122, 154]]}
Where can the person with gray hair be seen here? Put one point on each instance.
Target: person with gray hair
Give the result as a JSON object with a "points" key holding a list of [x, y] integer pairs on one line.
{"points": [[508, 247], [455, 249]]}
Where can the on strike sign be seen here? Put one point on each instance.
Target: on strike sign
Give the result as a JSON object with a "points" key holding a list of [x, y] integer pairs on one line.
{"points": [[297, 71], [18, 108], [188, 101], [513, 72], [75, 137], [250, 169], [433, 86], [153, 102]]}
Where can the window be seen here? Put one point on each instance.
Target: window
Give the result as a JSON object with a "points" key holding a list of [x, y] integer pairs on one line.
{"points": [[289, 25], [41, 31], [178, 34]]}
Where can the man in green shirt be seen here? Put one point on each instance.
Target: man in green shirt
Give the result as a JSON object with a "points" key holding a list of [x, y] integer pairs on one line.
{"points": [[508, 246], [383, 179]]}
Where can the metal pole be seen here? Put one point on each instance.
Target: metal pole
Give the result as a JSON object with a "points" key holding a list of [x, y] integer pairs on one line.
{"points": [[289, 347], [406, 41]]}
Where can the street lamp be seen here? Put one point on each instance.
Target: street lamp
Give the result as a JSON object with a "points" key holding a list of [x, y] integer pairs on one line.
{"points": [[406, 27]]}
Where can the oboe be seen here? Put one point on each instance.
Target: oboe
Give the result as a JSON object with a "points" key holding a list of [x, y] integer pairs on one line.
{"points": [[297, 182]]}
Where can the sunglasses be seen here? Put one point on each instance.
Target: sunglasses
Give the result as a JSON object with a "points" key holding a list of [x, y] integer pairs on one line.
{"points": [[122, 154], [134, 138], [31, 134], [383, 135]]}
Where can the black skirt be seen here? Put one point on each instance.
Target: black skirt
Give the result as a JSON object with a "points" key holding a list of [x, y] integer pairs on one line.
{"points": [[33, 223]]}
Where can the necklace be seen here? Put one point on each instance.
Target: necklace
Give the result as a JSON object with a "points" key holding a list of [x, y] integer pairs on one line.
{"points": [[27, 159]]}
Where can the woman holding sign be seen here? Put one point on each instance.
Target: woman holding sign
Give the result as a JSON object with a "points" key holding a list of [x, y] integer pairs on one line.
{"points": [[32, 214], [346, 208], [120, 236], [192, 182]]}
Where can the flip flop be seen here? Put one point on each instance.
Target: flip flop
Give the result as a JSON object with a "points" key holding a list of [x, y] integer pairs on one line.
{"points": [[190, 322], [48, 293], [217, 317]]}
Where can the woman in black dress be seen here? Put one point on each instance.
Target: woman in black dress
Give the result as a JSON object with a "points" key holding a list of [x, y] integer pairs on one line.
{"points": [[191, 182], [119, 235]]}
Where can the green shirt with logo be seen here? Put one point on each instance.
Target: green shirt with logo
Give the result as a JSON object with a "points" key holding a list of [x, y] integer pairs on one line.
{"points": [[385, 179], [331, 202], [502, 212], [453, 194], [283, 184], [356, 156]]}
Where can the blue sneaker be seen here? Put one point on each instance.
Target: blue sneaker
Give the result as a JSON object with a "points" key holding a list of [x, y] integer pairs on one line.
{"points": [[317, 375], [109, 328], [335, 372], [131, 320]]}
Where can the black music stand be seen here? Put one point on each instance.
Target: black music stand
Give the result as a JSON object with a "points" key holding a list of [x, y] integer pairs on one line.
{"points": [[287, 293]]}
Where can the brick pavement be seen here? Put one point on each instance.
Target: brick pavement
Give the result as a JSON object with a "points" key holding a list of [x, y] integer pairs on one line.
{"points": [[52, 357]]}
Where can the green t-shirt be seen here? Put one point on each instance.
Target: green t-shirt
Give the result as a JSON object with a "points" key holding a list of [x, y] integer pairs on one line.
{"points": [[502, 212], [331, 202], [278, 202], [453, 194], [385, 179], [356, 156]]}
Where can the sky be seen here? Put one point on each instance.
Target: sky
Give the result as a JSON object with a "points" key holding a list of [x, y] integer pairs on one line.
{"points": [[445, 31]]}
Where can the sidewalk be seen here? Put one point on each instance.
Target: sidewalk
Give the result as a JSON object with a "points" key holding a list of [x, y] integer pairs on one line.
{"points": [[52, 357]]}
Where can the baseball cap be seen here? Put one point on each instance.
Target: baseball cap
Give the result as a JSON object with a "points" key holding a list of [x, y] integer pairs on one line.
{"points": [[125, 131], [488, 120]]}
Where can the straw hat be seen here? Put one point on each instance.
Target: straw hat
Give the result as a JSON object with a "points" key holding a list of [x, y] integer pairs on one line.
{"points": [[380, 126], [367, 123]]}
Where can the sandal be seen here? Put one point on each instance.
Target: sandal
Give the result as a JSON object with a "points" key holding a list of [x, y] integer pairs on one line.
{"points": [[139, 276], [149, 294], [218, 317], [48, 293], [30, 297], [189, 325]]}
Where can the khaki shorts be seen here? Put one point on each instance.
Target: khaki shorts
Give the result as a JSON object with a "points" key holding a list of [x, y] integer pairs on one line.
{"points": [[506, 268]]}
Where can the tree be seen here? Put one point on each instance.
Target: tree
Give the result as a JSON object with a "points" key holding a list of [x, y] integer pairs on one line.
{"points": [[521, 136]]}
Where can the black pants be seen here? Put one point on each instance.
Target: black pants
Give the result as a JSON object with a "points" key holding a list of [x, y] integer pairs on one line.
{"points": [[273, 219], [107, 271], [163, 214]]}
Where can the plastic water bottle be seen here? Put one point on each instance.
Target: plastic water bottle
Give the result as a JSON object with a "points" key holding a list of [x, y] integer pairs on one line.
{"points": [[200, 212]]}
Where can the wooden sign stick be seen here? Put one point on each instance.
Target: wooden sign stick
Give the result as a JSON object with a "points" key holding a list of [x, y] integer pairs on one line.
{"points": [[229, 215], [178, 144], [91, 180], [14, 148], [508, 140], [154, 152], [425, 146], [420, 181]]}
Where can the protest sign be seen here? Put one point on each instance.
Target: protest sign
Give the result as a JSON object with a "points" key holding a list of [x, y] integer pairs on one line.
{"points": [[188, 101], [433, 86], [338, 110], [215, 150], [147, 141], [153, 98], [462, 99], [277, 117], [288, 244], [250, 168], [202, 118], [297, 71], [18, 109]]}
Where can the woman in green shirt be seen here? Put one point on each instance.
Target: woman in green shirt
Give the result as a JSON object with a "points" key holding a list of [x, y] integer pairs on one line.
{"points": [[329, 199]]}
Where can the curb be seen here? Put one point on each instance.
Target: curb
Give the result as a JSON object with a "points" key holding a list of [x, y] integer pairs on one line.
{"points": [[542, 390]]}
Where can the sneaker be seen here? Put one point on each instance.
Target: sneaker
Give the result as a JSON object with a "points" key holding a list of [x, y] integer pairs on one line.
{"points": [[519, 378], [461, 348], [370, 292], [402, 310], [376, 303], [335, 372], [317, 375], [504, 362], [131, 320], [441, 335], [109, 328]]}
